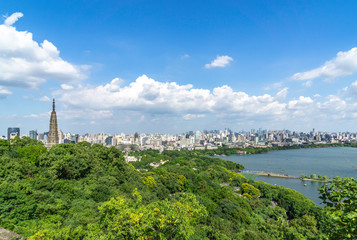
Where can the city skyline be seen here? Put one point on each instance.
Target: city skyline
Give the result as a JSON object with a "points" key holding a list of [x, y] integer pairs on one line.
{"points": [[194, 140], [160, 67]]}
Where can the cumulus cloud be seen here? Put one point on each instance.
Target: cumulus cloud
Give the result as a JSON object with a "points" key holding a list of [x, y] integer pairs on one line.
{"points": [[148, 95], [25, 63], [227, 100], [159, 100], [145, 94], [334, 104], [220, 61], [300, 103], [345, 63]]}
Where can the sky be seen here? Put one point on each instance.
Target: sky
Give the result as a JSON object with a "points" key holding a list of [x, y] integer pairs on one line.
{"points": [[175, 66]]}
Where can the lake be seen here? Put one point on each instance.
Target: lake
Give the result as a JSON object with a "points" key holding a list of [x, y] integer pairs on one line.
{"points": [[330, 162]]}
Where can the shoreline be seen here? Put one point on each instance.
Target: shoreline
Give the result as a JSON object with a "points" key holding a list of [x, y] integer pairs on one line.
{"points": [[277, 175], [226, 151]]}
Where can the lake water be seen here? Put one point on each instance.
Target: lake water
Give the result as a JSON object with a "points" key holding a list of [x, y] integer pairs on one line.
{"points": [[330, 162]]}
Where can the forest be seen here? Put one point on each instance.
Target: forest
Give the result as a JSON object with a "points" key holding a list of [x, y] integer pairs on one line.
{"points": [[84, 191]]}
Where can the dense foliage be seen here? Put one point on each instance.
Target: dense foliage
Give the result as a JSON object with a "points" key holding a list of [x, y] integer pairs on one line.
{"points": [[83, 191], [340, 196]]}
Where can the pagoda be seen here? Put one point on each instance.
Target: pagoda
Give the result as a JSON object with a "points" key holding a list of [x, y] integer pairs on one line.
{"points": [[53, 133]]}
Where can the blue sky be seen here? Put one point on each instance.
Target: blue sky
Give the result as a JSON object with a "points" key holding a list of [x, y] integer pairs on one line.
{"points": [[175, 66]]}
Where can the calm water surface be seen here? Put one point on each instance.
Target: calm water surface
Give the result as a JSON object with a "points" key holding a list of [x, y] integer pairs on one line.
{"points": [[331, 162]]}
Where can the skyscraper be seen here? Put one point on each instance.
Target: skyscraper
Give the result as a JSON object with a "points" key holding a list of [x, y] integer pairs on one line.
{"points": [[53, 133], [13, 132], [33, 134]]}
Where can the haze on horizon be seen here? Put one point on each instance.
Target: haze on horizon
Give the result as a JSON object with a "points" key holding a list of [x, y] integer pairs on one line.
{"points": [[163, 67]]}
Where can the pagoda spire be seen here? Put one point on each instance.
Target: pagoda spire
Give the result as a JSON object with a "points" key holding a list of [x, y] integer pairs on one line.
{"points": [[53, 132]]}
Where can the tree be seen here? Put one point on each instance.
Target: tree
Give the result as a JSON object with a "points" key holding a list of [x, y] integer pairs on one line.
{"points": [[181, 181], [250, 191], [149, 181], [124, 219], [340, 197], [4, 146], [32, 152]]}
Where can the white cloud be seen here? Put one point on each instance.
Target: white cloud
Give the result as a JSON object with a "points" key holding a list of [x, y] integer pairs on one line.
{"points": [[66, 86], [150, 96], [4, 92], [13, 18], [145, 94], [25, 63], [220, 61], [45, 99], [352, 90], [226, 100], [150, 99], [193, 116], [300, 103], [44, 115], [345, 63], [334, 104], [281, 95]]}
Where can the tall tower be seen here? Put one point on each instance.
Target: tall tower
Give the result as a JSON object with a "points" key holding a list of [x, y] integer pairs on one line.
{"points": [[53, 133]]}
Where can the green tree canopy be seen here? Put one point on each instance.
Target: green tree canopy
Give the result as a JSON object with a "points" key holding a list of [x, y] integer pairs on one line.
{"points": [[340, 196]]}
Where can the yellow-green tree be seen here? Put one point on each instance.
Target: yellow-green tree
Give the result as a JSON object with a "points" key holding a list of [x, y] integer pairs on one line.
{"points": [[181, 182], [250, 191], [149, 181], [121, 219]]}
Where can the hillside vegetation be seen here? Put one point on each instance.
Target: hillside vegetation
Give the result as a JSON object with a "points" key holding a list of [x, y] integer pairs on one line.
{"points": [[83, 191]]}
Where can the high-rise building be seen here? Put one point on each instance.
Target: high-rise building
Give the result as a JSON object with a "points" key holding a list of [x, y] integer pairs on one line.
{"points": [[33, 134], [109, 140], [53, 133], [74, 138], [40, 137], [60, 136], [198, 136], [45, 137], [12, 133]]}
